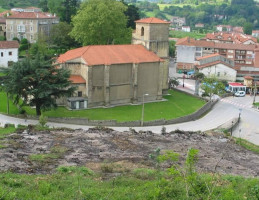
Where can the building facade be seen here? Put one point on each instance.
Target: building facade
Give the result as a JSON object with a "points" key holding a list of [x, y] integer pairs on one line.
{"points": [[29, 25], [217, 66], [112, 74], [153, 33], [8, 53]]}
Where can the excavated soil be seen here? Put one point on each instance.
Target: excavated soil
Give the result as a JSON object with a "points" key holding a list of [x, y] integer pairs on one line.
{"points": [[32, 151]]}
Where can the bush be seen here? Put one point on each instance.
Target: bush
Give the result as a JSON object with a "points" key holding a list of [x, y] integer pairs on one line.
{"points": [[43, 120]]}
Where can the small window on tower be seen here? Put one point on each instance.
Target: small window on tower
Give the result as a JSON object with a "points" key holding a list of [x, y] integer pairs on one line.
{"points": [[142, 31]]}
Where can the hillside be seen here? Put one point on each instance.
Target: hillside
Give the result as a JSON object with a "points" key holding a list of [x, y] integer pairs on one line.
{"points": [[8, 4]]}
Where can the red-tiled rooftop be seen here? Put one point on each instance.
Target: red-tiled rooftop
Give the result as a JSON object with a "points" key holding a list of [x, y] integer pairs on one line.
{"points": [[77, 79], [208, 56], [152, 20], [110, 54], [236, 84], [214, 63], [248, 77], [31, 15], [201, 43], [9, 44]]}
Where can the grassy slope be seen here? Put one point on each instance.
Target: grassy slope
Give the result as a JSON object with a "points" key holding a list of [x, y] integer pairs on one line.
{"points": [[78, 185]]}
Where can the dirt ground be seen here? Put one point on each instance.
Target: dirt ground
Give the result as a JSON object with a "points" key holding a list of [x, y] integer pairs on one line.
{"points": [[33, 151]]}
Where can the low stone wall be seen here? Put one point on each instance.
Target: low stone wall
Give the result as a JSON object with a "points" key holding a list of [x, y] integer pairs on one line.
{"points": [[84, 121]]}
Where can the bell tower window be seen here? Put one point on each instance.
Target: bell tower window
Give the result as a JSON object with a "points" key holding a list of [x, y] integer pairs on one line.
{"points": [[142, 31]]}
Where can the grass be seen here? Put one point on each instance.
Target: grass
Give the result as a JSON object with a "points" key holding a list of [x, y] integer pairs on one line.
{"points": [[81, 183], [178, 104], [56, 152], [256, 104], [181, 34], [4, 132], [248, 145]]}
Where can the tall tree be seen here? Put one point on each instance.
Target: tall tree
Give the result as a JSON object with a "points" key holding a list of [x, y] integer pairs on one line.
{"points": [[101, 22], [212, 86], [37, 82], [65, 9], [248, 28], [59, 36]]}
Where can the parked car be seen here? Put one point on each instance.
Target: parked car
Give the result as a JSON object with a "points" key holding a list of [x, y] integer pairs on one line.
{"points": [[240, 93]]}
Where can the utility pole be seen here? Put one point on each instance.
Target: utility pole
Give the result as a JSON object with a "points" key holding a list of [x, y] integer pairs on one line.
{"points": [[255, 90]]}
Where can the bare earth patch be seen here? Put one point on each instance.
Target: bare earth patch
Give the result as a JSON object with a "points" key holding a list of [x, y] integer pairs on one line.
{"points": [[43, 151]]}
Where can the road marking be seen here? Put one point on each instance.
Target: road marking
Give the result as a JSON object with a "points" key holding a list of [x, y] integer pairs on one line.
{"points": [[236, 104]]}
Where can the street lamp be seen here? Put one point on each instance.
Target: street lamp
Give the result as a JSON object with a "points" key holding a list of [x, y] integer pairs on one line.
{"points": [[142, 116], [240, 110]]}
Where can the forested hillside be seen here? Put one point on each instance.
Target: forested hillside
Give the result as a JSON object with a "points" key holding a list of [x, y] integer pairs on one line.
{"points": [[7, 4], [235, 12]]}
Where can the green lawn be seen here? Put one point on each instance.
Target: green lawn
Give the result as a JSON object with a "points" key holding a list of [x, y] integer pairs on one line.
{"points": [[181, 34], [256, 104], [179, 104]]}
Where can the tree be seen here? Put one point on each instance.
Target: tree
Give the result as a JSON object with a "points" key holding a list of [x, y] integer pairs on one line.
{"points": [[59, 36], [132, 13], [198, 76], [101, 22], [37, 82], [173, 82], [248, 28], [212, 86], [65, 9]]}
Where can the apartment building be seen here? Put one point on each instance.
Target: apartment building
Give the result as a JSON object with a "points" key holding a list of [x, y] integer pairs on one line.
{"points": [[29, 25], [245, 57]]}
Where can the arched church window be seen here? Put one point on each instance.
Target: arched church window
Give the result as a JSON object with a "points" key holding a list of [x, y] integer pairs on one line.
{"points": [[142, 31]]}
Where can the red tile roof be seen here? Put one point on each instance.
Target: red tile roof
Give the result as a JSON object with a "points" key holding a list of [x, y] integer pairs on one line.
{"points": [[214, 63], [201, 43], [9, 44], [208, 56], [110, 54], [31, 15], [152, 20], [236, 84], [248, 77], [77, 79]]}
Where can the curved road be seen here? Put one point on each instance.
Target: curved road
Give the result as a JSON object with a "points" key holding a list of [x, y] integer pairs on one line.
{"points": [[224, 111]]}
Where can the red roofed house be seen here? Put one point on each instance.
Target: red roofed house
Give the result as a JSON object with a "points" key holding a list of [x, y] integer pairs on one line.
{"points": [[29, 25], [8, 53], [113, 74], [245, 57], [218, 66]]}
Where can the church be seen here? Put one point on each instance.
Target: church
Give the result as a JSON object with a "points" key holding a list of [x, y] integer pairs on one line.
{"points": [[109, 75]]}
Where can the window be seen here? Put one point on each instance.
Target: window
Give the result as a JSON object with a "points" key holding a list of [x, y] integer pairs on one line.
{"points": [[79, 93], [142, 31], [31, 37], [21, 28], [2, 54], [248, 62], [31, 28], [1, 28], [11, 27], [230, 56], [230, 51], [198, 54], [249, 52], [198, 49], [218, 74], [10, 53]]}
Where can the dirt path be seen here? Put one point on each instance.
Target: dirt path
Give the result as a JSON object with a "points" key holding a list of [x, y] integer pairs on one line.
{"points": [[43, 151]]}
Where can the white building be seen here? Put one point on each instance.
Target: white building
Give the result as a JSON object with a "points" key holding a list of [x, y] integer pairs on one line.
{"points": [[8, 53], [217, 66], [186, 28]]}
